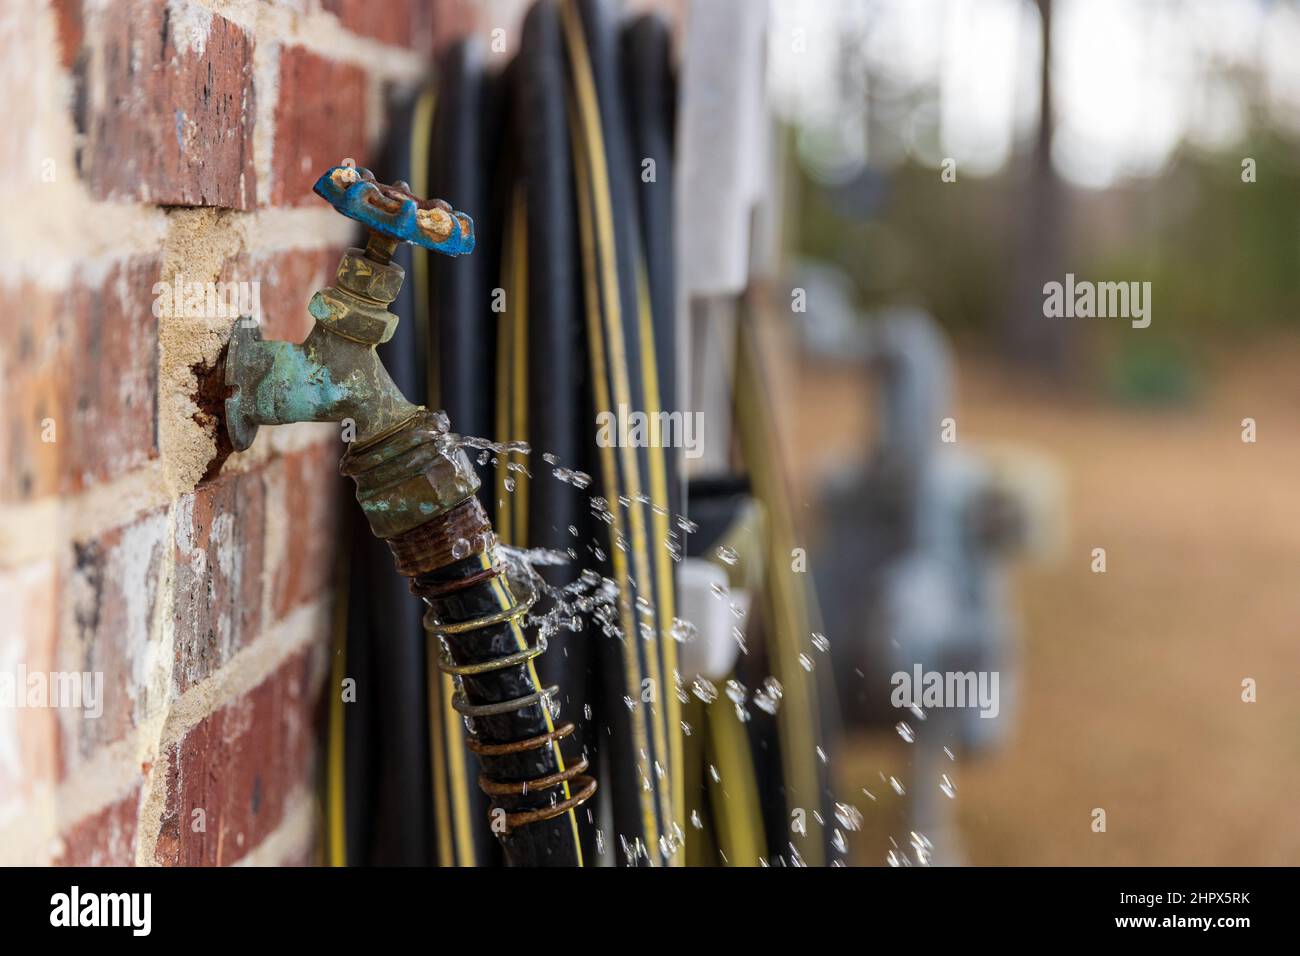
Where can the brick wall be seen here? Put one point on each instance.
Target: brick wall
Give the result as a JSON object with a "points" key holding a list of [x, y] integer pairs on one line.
{"points": [[146, 141]]}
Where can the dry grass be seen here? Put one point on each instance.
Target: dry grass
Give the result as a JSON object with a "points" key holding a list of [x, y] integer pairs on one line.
{"points": [[1131, 695]]}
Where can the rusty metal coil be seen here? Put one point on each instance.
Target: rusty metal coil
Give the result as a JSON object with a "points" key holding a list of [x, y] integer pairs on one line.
{"points": [[519, 746], [521, 818], [448, 666], [433, 592], [511, 613], [434, 544], [462, 705]]}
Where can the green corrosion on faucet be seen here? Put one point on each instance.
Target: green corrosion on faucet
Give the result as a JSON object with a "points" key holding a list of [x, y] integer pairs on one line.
{"points": [[335, 374]]}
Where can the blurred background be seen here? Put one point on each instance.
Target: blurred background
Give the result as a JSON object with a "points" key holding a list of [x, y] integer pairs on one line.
{"points": [[1110, 140]]}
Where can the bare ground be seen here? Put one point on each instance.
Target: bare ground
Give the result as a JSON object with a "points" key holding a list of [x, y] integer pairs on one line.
{"points": [[1132, 679]]}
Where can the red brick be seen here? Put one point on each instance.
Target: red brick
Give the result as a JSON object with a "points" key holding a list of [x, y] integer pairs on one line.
{"points": [[30, 736], [87, 358], [218, 596], [287, 282], [320, 119], [307, 486], [109, 595], [406, 23], [176, 124], [71, 27], [240, 765], [105, 838]]}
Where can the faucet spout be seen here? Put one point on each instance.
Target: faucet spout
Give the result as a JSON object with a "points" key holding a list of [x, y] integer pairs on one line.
{"points": [[335, 374]]}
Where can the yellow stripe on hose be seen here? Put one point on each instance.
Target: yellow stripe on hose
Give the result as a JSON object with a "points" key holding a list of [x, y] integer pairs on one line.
{"points": [[663, 561], [589, 115], [735, 799], [336, 791], [519, 346], [501, 413], [454, 727], [441, 811], [451, 811], [421, 132], [631, 659], [505, 601], [797, 719]]}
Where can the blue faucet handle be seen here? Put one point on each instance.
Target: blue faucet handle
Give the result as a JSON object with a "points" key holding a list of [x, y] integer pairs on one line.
{"points": [[392, 211]]}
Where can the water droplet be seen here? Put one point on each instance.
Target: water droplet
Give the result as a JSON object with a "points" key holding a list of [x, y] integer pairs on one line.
{"points": [[683, 631], [460, 549], [736, 692], [898, 787], [949, 791], [579, 479], [850, 817], [922, 847], [704, 690], [819, 641], [768, 697], [905, 731], [806, 662], [727, 555]]}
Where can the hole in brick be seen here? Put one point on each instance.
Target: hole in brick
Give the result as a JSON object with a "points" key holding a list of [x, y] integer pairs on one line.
{"points": [[210, 397]]}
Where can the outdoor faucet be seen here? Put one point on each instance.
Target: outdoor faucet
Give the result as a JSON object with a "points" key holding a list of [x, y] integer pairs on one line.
{"points": [[335, 375], [418, 491]]}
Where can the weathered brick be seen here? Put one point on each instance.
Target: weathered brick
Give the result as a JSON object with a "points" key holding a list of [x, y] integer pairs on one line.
{"points": [[109, 596], [29, 737], [69, 20], [217, 604], [320, 118], [240, 765], [306, 489], [406, 23], [78, 382], [171, 106], [104, 838], [287, 281]]}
